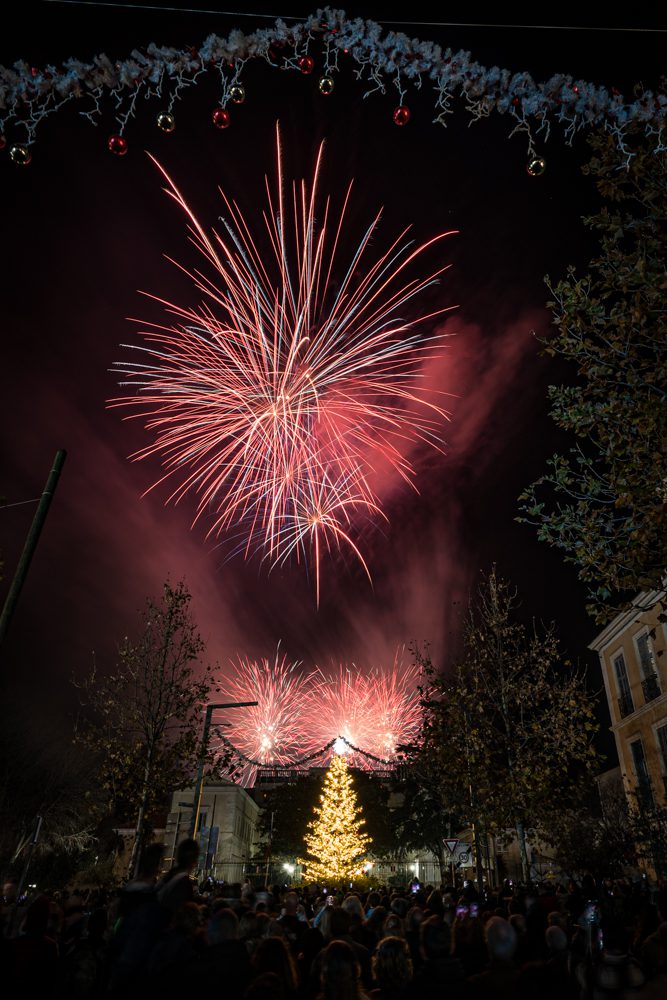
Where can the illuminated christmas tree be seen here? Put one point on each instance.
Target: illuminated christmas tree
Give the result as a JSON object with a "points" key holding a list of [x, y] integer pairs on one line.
{"points": [[335, 842]]}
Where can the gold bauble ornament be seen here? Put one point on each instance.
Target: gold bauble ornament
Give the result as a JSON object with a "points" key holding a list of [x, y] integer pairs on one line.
{"points": [[536, 166], [166, 121]]}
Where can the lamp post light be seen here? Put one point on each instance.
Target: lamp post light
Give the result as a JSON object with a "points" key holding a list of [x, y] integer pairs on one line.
{"points": [[199, 781]]}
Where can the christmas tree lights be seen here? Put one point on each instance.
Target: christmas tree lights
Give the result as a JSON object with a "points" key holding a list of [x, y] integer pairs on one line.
{"points": [[335, 840]]}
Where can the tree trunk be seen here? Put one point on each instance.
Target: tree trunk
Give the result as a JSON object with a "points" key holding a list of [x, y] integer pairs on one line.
{"points": [[133, 866], [521, 835], [478, 859], [438, 852]]}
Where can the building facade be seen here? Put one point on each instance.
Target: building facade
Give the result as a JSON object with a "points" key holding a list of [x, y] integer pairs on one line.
{"points": [[228, 829], [633, 656]]}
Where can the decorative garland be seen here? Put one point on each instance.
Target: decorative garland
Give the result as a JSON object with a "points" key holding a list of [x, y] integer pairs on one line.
{"points": [[382, 60], [301, 760]]}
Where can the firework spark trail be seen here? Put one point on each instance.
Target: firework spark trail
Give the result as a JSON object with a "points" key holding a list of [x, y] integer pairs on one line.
{"points": [[276, 730], [275, 399], [374, 709], [396, 700]]}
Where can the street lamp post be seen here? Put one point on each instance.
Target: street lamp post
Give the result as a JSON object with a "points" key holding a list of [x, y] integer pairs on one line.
{"points": [[199, 782]]}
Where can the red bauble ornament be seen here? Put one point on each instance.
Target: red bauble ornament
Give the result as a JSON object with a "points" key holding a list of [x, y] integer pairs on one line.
{"points": [[306, 64], [221, 118], [117, 145], [401, 115], [3, 141]]}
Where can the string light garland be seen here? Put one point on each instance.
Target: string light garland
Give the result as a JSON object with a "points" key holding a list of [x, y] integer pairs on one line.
{"points": [[380, 60], [300, 761]]}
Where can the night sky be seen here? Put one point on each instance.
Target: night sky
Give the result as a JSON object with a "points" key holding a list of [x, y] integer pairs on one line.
{"points": [[84, 232]]}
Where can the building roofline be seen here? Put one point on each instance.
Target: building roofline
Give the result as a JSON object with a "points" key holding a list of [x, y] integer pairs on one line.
{"points": [[641, 603]]}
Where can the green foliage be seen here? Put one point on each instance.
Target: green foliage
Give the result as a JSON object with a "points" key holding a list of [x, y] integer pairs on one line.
{"points": [[585, 837], [604, 502], [506, 731], [142, 721], [648, 826]]}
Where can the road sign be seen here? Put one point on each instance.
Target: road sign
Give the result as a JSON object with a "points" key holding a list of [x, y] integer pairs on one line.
{"points": [[451, 845]]}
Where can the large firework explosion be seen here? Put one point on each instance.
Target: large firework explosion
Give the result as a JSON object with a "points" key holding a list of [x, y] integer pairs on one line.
{"points": [[277, 398], [365, 713]]}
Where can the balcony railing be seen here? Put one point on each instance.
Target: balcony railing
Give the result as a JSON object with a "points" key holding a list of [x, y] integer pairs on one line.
{"points": [[651, 687], [625, 705]]}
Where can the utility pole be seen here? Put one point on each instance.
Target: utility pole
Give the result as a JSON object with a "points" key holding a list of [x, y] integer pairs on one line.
{"points": [[31, 543], [199, 781]]}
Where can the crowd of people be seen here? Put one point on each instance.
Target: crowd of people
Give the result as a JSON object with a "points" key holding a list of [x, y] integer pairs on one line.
{"points": [[162, 935]]}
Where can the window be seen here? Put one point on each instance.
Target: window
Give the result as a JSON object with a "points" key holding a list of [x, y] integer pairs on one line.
{"points": [[662, 745], [650, 680], [644, 793], [625, 702], [645, 654]]}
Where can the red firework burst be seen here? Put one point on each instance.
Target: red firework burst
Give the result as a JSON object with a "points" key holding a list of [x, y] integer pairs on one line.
{"points": [[276, 730], [374, 710], [277, 397]]}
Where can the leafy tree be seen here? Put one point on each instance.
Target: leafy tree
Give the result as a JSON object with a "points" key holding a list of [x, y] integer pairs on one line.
{"points": [[585, 837], [335, 841], [422, 817], [604, 502], [41, 774], [143, 720], [648, 828], [509, 728]]}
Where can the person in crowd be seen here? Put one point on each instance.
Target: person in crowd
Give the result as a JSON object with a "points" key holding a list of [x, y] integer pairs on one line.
{"points": [[618, 973], [393, 926], [34, 953], [178, 947], [468, 938], [392, 968], [647, 924], [435, 905], [498, 979], [375, 923], [265, 987], [293, 922], [549, 979], [340, 975], [177, 886], [441, 975], [358, 930], [335, 926], [273, 955], [226, 958], [413, 921]]}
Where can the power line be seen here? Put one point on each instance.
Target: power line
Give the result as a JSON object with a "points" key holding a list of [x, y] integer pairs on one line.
{"points": [[408, 24], [19, 503]]}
